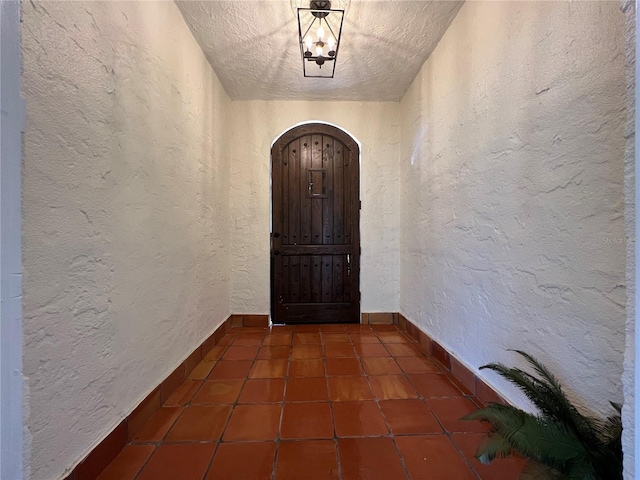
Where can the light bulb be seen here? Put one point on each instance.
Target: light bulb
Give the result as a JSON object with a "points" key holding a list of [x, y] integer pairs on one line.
{"points": [[320, 33], [331, 42], [308, 42], [318, 50]]}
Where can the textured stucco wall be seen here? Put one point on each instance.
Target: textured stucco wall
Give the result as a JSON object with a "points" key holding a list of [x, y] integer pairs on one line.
{"points": [[512, 192], [126, 232], [258, 123], [631, 226], [12, 119]]}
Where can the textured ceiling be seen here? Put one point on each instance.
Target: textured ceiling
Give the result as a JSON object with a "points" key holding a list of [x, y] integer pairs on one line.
{"points": [[253, 47]]}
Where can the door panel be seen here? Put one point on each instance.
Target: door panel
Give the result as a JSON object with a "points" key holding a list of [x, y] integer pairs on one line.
{"points": [[315, 241]]}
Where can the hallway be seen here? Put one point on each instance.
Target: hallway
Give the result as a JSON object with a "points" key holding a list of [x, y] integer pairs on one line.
{"points": [[312, 402], [496, 212]]}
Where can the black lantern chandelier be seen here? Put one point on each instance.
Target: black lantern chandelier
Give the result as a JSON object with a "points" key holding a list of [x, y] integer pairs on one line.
{"points": [[319, 30]]}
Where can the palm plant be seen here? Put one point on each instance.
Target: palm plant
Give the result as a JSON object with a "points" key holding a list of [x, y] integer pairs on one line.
{"points": [[559, 442]]}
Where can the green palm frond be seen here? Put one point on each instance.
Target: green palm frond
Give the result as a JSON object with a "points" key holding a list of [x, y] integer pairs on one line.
{"points": [[548, 396], [560, 442], [612, 427], [532, 436], [565, 411], [546, 375], [493, 446], [540, 394]]}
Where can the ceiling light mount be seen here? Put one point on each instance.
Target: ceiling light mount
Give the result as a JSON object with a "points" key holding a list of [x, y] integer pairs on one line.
{"points": [[319, 32], [319, 8]]}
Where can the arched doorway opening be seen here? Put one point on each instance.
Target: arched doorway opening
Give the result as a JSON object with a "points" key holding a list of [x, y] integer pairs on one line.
{"points": [[315, 233]]}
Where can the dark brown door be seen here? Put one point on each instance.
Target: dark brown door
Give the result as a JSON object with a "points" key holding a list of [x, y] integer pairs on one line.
{"points": [[315, 239]]}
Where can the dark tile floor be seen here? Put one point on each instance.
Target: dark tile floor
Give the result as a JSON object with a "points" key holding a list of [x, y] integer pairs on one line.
{"points": [[312, 402]]}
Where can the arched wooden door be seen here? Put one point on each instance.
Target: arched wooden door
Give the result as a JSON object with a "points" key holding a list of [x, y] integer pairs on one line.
{"points": [[315, 238]]}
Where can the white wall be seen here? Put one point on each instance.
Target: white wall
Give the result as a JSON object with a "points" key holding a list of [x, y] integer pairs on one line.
{"points": [[512, 192], [126, 173], [12, 116], [254, 127], [632, 226]]}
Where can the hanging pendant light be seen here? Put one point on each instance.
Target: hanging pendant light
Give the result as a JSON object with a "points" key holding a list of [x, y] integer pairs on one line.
{"points": [[319, 31]]}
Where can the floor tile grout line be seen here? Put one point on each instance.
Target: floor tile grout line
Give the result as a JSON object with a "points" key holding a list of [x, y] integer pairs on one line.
{"points": [[464, 457], [244, 384], [444, 429], [377, 400], [338, 457], [332, 408], [183, 407], [333, 422], [146, 462], [210, 464], [402, 460], [284, 396], [233, 406], [423, 399], [173, 424]]}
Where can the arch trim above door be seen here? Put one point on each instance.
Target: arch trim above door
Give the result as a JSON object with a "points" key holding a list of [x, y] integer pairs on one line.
{"points": [[317, 122]]}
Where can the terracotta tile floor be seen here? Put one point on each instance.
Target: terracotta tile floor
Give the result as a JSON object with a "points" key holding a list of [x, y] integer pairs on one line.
{"points": [[312, 402]]}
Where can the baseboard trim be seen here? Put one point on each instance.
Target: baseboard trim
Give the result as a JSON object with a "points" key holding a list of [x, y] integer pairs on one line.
{"points": [[379, 318], [473, 385], [243, 320], [102, 455], [262, 320]]}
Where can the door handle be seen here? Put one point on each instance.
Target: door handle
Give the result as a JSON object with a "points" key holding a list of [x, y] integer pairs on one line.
{"points": [[276, 252], [276, 234], [348, 265]]}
